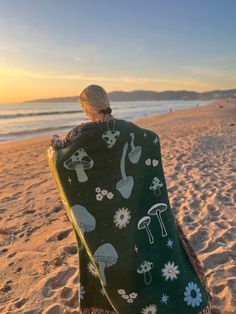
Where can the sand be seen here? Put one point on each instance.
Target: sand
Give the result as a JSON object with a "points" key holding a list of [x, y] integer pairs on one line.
{"points": [[38, 253]]}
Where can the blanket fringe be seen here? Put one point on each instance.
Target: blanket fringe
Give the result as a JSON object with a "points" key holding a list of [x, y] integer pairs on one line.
{"points": [[196, 264], [95, 310]]}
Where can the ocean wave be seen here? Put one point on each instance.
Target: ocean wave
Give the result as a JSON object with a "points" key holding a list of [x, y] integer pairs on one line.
{"points": [[32, 114]]}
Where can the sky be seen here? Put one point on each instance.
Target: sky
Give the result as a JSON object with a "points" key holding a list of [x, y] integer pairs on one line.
{"points": [[55, 48]]}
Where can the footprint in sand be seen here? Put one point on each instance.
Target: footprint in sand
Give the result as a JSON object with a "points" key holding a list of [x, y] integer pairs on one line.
{"points": [[55, 309], [57, 281], [59, 236], [66, 293]]}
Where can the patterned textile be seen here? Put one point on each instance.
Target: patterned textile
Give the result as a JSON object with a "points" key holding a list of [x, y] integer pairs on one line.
{"points": [[133, 255]]}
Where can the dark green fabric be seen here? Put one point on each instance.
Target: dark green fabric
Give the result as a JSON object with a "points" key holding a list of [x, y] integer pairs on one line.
{"points": [[126, 246]]}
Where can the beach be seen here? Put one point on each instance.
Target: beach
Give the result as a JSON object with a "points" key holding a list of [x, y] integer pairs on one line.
{"points": [[38, 252]]}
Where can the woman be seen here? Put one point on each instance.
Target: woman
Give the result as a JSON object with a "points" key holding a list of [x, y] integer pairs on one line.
{"points": [[133, 255], [95, 102]]}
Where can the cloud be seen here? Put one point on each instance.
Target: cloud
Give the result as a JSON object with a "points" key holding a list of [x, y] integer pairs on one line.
{"points": [[21, 73]]}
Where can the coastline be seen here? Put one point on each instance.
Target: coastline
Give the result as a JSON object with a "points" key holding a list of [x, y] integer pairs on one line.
{"points": [[38, 249]]}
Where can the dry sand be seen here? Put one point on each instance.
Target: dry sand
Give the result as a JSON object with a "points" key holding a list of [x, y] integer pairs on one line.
{"points": [[38, 253]]}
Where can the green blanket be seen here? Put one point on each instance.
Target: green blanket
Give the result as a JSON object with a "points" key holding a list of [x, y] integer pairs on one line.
{"points": [[131, 257]]}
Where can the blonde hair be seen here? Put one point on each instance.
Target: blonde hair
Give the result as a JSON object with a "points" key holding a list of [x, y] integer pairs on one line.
{"points": [[95, 99]]}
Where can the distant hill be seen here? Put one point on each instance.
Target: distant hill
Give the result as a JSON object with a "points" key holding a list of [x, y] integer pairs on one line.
{"points": [[142, 95]]}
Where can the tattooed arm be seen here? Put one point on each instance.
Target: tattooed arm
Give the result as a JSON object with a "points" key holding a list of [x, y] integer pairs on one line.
{"points": [[57, 142]]}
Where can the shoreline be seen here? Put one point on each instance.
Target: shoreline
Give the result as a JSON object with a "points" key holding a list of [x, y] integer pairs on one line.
{"points": [[38, 254], [27, 135]]}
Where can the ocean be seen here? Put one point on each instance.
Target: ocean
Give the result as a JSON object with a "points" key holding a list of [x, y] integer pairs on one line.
{"points": [[27, 120]]}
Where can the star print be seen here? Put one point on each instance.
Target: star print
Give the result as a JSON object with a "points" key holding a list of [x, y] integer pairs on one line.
{"points": [[164, 298], [136, 249], [155, 141], [69, 180], [169, 243]]}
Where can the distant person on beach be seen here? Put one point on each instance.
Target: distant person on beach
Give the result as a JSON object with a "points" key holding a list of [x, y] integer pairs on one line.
{"points": [[133, 254]]}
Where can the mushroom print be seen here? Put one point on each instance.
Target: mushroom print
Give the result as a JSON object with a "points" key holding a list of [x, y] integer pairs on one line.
{"points": [[105, 256], [125, 185], [110, 136], [134, 154], [84, 219], [143, 223], [145, 268], [79, 162], [157, 209], [156, 185]]}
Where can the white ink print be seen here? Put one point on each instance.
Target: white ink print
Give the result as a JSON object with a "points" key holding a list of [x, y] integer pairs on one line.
{"points": [[110, 136], [156, 185], [84, 219], [157, 210], [143, 223], [125, 185], [134, 154], [145, 268], [150, 309], [122, 217], [192, 294], [170, 271], [79, 162]]}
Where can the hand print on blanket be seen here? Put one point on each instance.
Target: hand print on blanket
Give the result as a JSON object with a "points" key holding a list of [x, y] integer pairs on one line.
{"points": [[125, 185], [110, 136], [83, 218], [134, 154], [79, 162], [145, 268], [105, 256], [156, 185]]}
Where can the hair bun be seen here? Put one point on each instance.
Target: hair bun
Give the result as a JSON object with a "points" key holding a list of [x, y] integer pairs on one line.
{"points": [[107, 110]]}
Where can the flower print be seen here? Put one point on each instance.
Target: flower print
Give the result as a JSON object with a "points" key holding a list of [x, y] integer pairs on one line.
{"points": [[164, 298], [104, 192], [133, 295], [102, 291], [125, 296], [150, 309], [170, 271], [130, 300], [169, 243], [110, 195], [81, 291], [122, 217], [99, 197], [192, 294], [98, 189], [92, 269], [121, 291]]}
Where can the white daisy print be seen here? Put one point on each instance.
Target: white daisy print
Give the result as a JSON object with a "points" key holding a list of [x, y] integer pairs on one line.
{"points": [[133, 295], [104, 192], [169, 243], [81, 291], [99, 197], [170, 271], [98, 189], [121, 291], [125, 296], [122, 217], [110, 195], [130, 300], [192, 294], [150, 309], [92, 269], [164, 298]]}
